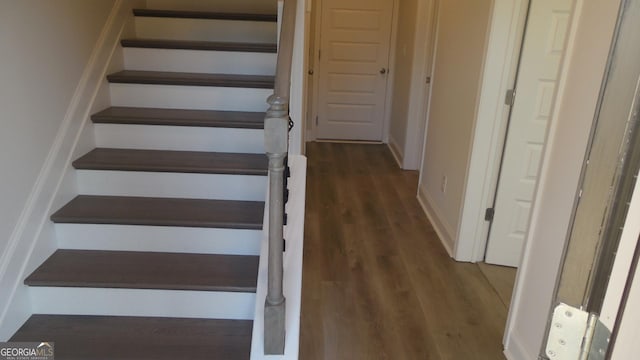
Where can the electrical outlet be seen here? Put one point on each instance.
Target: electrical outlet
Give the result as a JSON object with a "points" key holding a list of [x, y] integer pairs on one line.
{"points": [[443, 185]]}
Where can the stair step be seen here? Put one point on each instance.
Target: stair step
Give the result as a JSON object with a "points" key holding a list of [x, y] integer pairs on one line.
{"points": [[180, 117], [124, 210], [173, 161], [110, 337], [185, 14], [147, 270], [200, 45], [191, 79]]}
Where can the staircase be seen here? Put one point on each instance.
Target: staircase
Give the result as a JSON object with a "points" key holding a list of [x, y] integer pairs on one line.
{"points": [[158, 255]]}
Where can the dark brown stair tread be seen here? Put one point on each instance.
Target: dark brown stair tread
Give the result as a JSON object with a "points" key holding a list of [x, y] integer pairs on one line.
{"points": [[180, 117], [147, 270], [143, 338], [125, 210], [185, 14], [199, 45], [191, 79], [173, 161]]}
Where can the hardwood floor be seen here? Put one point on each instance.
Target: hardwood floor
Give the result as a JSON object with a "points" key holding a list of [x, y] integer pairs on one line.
{"points": [[377, 283]]}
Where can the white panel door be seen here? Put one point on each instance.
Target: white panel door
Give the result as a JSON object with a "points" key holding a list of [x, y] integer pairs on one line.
{"points": [[354, 56], [543, 49]]}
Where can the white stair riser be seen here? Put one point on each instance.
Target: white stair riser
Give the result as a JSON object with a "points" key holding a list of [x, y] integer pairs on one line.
{"points": [[184, 138], [205, 30], [158, 239], [247, 6], [135, 302], [190, 97], [215, 62], [177, 185]]}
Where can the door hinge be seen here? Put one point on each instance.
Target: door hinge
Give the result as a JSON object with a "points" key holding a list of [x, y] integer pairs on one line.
{"points": [[567, 332], [316, 121], [319, 54], [510, 98], [428, 79], [489, 213]]}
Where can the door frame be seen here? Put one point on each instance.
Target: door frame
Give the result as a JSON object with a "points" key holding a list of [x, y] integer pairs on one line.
{"points": [[314, 70], [501, 62], [424, 63]]}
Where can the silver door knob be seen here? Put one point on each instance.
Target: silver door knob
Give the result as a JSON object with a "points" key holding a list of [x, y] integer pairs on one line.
{"points": [[383, 71]]}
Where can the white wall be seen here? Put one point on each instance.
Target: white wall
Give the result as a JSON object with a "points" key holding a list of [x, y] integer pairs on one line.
{"points": [[45, 46], [460, 51], [578, 91], [54, 58], [257, 6]]}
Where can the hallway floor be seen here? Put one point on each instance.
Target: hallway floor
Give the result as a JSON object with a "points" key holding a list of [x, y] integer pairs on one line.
{"points": [[377, 283]]}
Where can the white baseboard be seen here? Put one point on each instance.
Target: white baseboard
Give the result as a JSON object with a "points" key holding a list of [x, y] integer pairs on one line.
{"points": [[444, 232], [395, 151], [33, 238]]}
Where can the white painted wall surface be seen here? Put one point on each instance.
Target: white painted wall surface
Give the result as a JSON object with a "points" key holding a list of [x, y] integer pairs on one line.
{"points": [[587, 53], [45, 46], [462, 35], [55, 56], [297, 101]]}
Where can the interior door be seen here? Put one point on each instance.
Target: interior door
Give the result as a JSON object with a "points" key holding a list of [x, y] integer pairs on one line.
{"points": [[542, 52], [354, 56]]}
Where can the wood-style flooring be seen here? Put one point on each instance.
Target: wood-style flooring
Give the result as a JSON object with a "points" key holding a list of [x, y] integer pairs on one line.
{"points": [[377, 283]]}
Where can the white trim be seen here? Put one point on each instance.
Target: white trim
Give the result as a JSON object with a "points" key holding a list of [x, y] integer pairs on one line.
{"points": [[314, 64], [388, 101], [395, 150], [499, 73], [437, 220], [297, 101], [32, 239], [517, 351], [420, 96]]}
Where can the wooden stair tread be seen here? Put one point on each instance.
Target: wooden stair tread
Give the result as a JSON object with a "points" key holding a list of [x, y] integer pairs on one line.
{"points": [[180, 117], [173, 161], [147, 270], [144, 338], [200, 45], [211, 15], [125, 210], [191, 79]]}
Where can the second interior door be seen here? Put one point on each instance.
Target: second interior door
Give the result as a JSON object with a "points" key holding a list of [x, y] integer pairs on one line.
{"points": [[543, 49], [354, 57]]}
